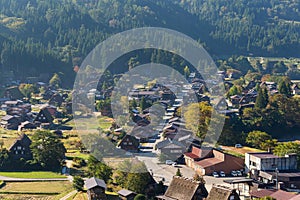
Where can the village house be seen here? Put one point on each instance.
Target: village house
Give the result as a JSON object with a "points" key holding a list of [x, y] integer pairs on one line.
{"points": [[13, 93], [173, 149], [235, 100], [26, 125], [286, 180], [10, 122], [45, 116], [20, 110], [95, 189], [295, 89], [222, 193], [266, 167], [21, 148], [129, 143], [126, 194], [205, 161], [276, 194], [182, 188], [56, 99], [266, 161]]}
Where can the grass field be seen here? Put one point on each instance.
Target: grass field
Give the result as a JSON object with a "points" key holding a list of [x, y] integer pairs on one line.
{"points": [[79, 196], [239, 152], [35, 174], [37, 187]]}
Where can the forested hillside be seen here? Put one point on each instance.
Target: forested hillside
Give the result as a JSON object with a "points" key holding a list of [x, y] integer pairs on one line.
{"points": [[39, 36]]}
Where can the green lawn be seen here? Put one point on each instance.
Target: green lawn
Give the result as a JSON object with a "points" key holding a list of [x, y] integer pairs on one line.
{"points": [[37, 174]]}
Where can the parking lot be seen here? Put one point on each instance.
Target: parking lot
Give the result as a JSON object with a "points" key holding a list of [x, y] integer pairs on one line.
{"points": [[166, 172]]}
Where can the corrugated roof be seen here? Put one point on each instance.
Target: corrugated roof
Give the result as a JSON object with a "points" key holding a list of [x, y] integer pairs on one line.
{"points": [[7, 117], [125, 192], [297, 197], [262, 193], [282, 195], [208, 162]]}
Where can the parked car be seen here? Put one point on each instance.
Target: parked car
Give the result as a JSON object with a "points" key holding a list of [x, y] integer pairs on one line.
{"points": [[174, 164], [215, 174], [239, 173], [238, 146], [222, 174], [170, 162], [233, 173]]}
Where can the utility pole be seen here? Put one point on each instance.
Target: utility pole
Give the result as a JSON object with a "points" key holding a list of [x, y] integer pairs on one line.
{"points": [[276, 170]]}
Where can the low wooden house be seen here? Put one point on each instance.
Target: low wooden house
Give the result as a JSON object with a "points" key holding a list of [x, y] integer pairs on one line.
{"points": [[10, 122], [184, 189], [126, 194], [26, 125], [21, 148], [173, 149], [95, 189]]}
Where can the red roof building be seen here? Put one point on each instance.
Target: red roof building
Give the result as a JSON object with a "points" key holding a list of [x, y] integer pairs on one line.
{"points": [[206, 160]]}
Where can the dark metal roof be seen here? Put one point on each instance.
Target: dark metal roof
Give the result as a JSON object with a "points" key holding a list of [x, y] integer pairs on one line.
{"points": [[94, 182]]}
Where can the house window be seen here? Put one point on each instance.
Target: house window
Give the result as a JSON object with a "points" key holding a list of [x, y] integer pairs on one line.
{"points": [[16, 152], [130, 143], [19, 147], [125, 143], [253, 163], [22, 152]]}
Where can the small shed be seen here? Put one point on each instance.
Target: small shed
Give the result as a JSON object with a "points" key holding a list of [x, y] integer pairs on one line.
{"points": [[126, 194], [95, 189]]}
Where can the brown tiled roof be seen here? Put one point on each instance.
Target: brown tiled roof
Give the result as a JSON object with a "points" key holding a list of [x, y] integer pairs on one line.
{"points": [[262, 193], [282, 195], [208, 162]]}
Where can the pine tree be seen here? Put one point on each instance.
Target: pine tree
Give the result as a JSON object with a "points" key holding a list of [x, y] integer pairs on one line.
{"points": [[178, 173], [261, 99], [284, 88]]}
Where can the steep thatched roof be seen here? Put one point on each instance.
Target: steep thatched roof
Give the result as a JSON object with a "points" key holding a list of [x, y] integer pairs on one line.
{"points": [[23, 140], [222, 193], [184, 189]]}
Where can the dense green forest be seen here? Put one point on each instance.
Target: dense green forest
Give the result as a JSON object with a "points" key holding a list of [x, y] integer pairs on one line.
{"points": [[42, 37]]}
